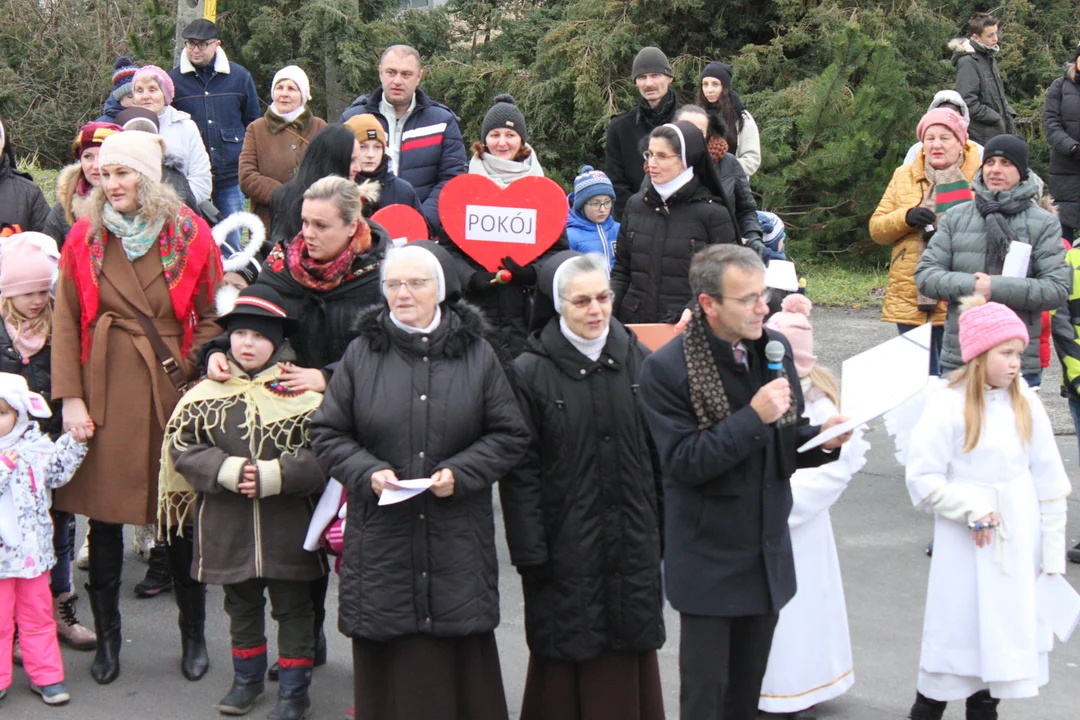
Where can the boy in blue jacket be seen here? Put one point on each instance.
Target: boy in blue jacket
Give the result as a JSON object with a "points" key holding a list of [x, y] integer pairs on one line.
{"points": [[590, 226]]}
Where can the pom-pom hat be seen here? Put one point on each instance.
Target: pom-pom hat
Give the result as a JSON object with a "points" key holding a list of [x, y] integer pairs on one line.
{"points": [[591, 183], [504, 114], [793, 322], [122, 78], [985, 325]]}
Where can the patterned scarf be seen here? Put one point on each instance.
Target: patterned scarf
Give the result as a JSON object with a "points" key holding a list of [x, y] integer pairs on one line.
{"points": [[272, 414], [185, 253], [718, 147], [947, 187], [135, 233], [707, 393], [325, 276]]}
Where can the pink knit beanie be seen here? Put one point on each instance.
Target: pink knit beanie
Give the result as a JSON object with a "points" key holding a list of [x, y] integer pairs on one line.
{"points": [[985, 325], [944, 116], [24, 268], [163, 80], [793, 322]]}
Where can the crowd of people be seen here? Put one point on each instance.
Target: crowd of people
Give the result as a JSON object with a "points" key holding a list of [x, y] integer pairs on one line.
{"points": [[273, 404]]}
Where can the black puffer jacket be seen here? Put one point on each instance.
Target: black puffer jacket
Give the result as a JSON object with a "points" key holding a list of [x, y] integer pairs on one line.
{"points": [[1061, 120], [656, 242], [419, 403], [38, 373], [581, 510], [21, 201]]}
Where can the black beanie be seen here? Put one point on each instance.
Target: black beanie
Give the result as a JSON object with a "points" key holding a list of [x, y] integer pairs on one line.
{"points": [[270, 328], [259, 308], [1011, 147], [504, 114], [651, 60], [719, 70]]}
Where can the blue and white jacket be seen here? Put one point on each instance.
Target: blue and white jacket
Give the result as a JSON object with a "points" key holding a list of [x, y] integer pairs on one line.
{"points": [[222, 101], [586, 236], [432, 151]]}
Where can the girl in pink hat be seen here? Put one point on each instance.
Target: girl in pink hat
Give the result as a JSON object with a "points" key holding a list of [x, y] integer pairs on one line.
{"points": [[983, 459]]}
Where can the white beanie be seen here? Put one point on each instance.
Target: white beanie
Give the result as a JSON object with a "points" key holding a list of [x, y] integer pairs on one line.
{"points": [[135, 149], [298, 76]]}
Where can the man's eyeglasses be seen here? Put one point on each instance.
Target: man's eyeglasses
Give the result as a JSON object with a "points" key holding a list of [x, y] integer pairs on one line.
{"points": [[750, 300], [198, 45], [583, 301]]}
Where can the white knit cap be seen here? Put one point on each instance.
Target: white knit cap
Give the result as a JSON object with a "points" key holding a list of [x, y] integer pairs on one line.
{"points": [[298, 76], [135, 149]]}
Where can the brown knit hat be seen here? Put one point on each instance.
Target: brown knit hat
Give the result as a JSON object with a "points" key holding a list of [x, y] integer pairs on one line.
{"points": [[366, 127]]}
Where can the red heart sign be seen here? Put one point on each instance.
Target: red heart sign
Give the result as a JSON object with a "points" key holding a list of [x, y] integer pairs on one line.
{"points": [[403, 223], [488, 223]]}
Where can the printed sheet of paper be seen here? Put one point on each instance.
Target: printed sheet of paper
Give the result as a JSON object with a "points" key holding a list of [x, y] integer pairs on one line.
{"points": [[876, 381], [403, 490], [1059, 604], [1017, 260]]}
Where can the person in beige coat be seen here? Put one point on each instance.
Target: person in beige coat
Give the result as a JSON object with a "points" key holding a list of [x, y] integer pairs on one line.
{"points": [[276, 143], [138, 252]]}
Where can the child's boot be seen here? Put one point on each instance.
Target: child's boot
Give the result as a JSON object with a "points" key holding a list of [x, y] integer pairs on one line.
{"points": [[981, 706], [926, 709], [54, 694], [249, 671], [294, 678]]}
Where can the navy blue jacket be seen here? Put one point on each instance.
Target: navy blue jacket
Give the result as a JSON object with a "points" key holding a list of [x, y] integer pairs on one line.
{"points": [[222, 101], [432, 151]]}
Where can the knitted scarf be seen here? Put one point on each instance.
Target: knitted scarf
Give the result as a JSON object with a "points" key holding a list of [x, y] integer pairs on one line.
{"points": [[185, 255], [504, 172], [27, 342], [947, 187], [326, 275], [136, 233], [707, 394], [654, 117], [996, 213], [272, 413]]}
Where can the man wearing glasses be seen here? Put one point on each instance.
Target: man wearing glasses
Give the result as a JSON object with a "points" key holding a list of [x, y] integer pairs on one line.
{"points": [[220, 97], [727, 429]]}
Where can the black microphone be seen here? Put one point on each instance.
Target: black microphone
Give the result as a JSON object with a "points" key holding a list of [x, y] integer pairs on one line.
{"points": [[774, 353]]}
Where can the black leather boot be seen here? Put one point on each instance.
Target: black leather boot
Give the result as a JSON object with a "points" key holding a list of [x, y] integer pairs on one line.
{"points": [[105, 605], [191, 602], [981, 706], [926, 709]]}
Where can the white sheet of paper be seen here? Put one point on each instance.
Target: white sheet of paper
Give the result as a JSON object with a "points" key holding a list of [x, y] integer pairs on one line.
{"points": [[877, 380], [325, 512], [403, 490], [1059, 604], [780, 274], [1017, 260]]}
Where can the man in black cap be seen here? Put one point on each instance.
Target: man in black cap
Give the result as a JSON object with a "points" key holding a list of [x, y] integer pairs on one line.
{"points": [[220, 97], [623, 160]]}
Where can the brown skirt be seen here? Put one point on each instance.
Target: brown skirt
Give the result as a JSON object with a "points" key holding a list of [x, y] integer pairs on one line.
{"points": [[614, 686], [430, 678]]}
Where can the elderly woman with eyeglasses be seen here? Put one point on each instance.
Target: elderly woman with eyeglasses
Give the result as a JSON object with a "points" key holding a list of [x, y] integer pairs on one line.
{"points": [[582, 510], [683, 209], [420, 398]]}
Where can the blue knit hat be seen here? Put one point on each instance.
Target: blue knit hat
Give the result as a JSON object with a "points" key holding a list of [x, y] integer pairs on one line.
{"points": [[590, 183]]}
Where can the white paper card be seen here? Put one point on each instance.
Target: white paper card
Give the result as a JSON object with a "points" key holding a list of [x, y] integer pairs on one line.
{"points": [[1059, 604], [402, 490], [1017, 260], [325, 512], [904, 361], [780, 274]]}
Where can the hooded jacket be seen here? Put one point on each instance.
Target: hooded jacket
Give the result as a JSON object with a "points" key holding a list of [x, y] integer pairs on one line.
{"points": [[588, 237], [979, 82], [958, 250], [417, 403]]}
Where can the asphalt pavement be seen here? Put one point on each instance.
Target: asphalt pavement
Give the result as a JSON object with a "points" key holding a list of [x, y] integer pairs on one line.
{"points": [[880, 540]]}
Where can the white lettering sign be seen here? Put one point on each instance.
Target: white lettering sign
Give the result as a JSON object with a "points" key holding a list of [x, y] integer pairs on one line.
{"points": [[500, 224]]}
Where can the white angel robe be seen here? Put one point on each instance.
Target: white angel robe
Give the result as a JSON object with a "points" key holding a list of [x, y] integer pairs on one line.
{"points": [[981, 628], [810, 661]]}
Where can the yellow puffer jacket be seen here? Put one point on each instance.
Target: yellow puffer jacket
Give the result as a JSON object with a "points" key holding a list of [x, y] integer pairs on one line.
{"points": [[887, 227]]}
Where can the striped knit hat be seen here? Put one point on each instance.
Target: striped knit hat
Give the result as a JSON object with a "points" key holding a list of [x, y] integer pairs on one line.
{"points": [[92, 134], [590, 183], [123, 75]]}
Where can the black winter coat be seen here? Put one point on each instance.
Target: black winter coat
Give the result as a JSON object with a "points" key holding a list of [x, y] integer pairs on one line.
{"points": [[38, 373], [656, 242], [979, 82], [737, 196], [416, 404], [21, 201], [623, 162], [582, 509], [727, 490], [1061, 121]]}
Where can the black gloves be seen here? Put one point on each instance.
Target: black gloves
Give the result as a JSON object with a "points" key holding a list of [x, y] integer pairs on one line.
{"points": [[519, 275], [757, 246], [482, 281], [918, 217], [1075, 150]]}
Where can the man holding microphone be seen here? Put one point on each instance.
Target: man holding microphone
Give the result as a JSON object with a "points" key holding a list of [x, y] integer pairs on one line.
{"points": [[727, 428]]}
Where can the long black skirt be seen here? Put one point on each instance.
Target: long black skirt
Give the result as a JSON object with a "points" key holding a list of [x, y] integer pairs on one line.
{"points": [[614, 686], [422, 677]]}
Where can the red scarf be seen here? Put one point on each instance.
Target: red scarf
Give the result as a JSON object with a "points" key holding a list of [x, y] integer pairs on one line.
{"points": [[186, 248], [325, 276]]}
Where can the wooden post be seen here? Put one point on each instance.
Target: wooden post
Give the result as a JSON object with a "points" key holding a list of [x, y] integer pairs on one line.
{"points": [[186, 12]]}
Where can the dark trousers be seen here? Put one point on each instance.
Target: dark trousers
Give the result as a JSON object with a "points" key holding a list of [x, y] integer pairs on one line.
{"points": [[290, 606], [722, 662], [63, 538]]}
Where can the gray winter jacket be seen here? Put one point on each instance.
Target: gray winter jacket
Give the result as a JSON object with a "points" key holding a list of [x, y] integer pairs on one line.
{"points": [[958, 250], [979, 83]]}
